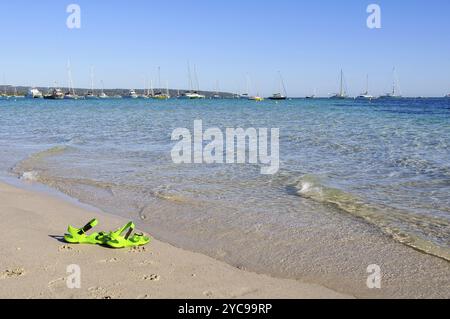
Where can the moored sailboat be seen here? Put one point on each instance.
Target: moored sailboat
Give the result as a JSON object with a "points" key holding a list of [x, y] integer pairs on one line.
{"points": [[159, 94], [193, 94], [395, 93], [102, 94], [365, 95], [282, 95], [55, 94], [90, 95], [342, 90], [131, 94]]}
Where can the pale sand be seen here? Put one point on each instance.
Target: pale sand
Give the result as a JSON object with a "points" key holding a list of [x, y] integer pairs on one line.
{"points": [[33, 262]]}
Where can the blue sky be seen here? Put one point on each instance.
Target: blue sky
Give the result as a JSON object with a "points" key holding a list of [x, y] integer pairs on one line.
{"points": [[308, 41]]}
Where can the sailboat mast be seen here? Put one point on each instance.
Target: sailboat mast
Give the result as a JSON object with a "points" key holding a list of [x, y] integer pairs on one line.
{"points": [[341, 90], [92, 79], [395, 89], [367, 84], [190, 77], [282, 84], [248, 84], [159, 78], [197, 85], [71, 86], [68, 76]]}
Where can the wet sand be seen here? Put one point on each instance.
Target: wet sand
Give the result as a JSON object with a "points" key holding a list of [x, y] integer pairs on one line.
{"points": [[34, 260]]}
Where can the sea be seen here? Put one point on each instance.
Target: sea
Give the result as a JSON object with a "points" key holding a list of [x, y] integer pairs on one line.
{"points": [[348, 168]]}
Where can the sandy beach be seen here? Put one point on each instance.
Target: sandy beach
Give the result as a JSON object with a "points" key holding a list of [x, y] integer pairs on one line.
{"points": [[34, 260]]}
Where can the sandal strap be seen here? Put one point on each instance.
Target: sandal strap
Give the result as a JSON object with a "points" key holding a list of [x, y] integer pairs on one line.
{"points": [[88, 226], [130, 226], [129, 232]]}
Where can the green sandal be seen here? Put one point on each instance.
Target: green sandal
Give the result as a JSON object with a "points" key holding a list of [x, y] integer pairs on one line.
{"points": [[78, 236], [116, 240]]}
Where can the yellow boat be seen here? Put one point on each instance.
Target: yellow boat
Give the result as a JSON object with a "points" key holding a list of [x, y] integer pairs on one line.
{"points": [[256, 98]]}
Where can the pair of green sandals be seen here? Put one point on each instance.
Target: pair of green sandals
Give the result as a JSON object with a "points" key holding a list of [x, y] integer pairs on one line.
{"points": [[113, 239]]}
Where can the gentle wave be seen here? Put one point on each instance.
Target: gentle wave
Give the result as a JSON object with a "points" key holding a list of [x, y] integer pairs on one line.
{"points": [[389, 220], [29, 164]]}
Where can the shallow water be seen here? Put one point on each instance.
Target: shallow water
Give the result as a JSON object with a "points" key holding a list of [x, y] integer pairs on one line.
{"points": [[386, 163]]}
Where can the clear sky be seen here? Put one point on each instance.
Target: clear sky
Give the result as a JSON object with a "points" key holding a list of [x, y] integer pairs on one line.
{"points": [[308, 41]]}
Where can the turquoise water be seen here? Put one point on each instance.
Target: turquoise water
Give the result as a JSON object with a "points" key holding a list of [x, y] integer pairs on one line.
{"points": [[382, 163]]}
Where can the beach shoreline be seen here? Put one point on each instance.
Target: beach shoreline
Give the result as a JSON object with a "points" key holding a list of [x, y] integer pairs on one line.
{"points": [[34, 261]]}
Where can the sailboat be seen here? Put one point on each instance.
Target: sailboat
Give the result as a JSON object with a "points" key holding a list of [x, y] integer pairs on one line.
{"points": [[90, 94], [70, 94], [16, 95], [395, 94], [4, 94], [365, 95], [216, 94], [193, 94], [131, 94], [282, 95], [55, 94], [252, 97], [256, 98], [312, 96], [102, 93], [159, 94], [145, 91], [342, 91]]}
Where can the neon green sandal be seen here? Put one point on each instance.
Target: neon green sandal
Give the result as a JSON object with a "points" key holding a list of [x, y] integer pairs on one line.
{"points": [[78, 236], [116, 240]]}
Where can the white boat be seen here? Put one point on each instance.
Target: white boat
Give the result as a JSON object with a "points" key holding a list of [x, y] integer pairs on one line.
{"points": [[395, 93], [91, 93], [282, 95], [131, 94], [102, 94], [365, 95], [193, 93], [342, 90], [70, 94], [34, 93], [145, 91], [193, 96], [90, 96], [217, 95]]}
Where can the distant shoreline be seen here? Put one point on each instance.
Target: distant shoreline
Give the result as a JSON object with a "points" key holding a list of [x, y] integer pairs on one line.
{"points": [[23, 90]]}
